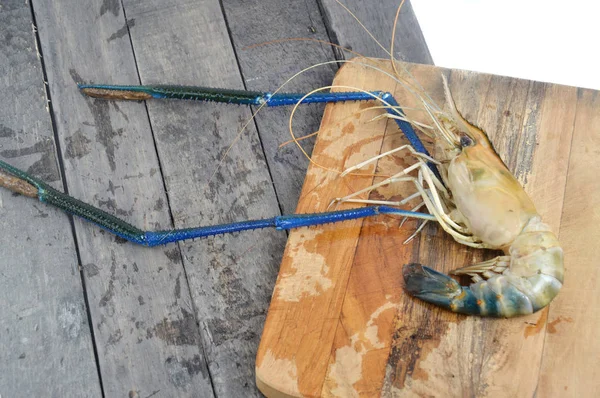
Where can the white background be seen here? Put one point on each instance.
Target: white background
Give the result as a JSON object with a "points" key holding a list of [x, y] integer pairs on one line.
{"points": [[550, 41]]}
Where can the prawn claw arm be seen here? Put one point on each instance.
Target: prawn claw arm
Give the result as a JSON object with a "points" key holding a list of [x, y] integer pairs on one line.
{"points": [[22, 182], [243, 97]]}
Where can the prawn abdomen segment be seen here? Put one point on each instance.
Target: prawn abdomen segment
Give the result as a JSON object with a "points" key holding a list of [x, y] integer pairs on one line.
{"points": [[537, 251]]}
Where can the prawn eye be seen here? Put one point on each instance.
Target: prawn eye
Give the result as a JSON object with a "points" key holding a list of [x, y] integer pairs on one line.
{"points": [[466, 141]]}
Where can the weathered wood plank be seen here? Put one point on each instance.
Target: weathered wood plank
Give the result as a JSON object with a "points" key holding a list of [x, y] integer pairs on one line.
{"points": [[570, 362], [266, 67], [46, 347], [378, 18], [143, 318], [231, 277]]}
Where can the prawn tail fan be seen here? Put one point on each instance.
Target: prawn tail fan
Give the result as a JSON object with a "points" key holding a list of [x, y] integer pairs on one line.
{"points": [[439, 289]]}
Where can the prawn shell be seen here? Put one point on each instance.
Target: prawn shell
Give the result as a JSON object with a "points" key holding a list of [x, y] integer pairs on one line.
{"points": [[494, 206], [498, 297], [537, 251], [540, 289]]}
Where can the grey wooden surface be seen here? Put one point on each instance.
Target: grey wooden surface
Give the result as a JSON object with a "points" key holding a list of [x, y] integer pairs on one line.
{"points": [[85, 314], [44, 328]]}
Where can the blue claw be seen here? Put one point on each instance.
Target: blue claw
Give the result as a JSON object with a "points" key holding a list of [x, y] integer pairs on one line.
{"points": [[230, 96], [122, 228]]}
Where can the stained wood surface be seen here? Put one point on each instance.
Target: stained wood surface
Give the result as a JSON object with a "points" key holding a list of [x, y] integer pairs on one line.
{"points": [[44, 327], [230, 277], [340, 324], [570, 360], [97, 316], [273, 41]]}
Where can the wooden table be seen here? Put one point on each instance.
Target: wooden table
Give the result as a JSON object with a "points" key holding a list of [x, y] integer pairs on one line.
{"points": [[84, 314]]}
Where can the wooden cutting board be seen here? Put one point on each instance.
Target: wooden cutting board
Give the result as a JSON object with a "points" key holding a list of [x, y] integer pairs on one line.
{"points": [[340, 323]]}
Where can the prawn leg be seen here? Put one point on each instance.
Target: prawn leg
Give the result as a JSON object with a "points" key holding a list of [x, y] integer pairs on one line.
{"points": [[21, 182], [485, 269], [431, 197], [243, 97]]}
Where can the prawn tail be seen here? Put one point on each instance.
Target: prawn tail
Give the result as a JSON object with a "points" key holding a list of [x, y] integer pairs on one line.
{"points": [[501, 296], [439, 289]]}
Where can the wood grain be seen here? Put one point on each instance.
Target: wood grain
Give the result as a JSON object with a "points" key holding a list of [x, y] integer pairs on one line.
{"points": [[230, 277], [429, 352], [241, 273], [266, 66], [45, 335], [305, 307], [263, 34], [473, 356], [570, 360], [144, 324], [379, 341], [378, 18]]}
